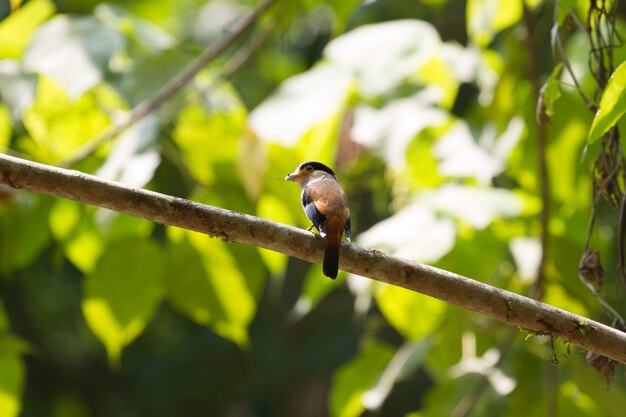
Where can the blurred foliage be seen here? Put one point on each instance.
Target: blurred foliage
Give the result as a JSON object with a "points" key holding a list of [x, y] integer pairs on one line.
{"points": [[427, 111]]}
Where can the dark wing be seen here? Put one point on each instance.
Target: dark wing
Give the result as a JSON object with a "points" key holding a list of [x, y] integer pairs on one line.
{"points": [[325, 202], [311, 211], [347, 229]]}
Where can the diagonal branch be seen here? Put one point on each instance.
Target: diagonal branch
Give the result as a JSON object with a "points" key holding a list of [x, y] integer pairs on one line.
{"points": [[169, 89], [503, 305]]}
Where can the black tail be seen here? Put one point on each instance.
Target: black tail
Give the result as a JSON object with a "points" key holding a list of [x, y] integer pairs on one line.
{"points": [[331, 262]]}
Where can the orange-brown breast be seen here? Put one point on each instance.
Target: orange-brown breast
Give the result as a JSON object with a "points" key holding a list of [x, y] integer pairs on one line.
{"points": [[332, 202]]}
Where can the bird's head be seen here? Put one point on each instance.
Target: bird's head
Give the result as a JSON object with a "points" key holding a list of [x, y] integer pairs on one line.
{"points": [[309, 171]]}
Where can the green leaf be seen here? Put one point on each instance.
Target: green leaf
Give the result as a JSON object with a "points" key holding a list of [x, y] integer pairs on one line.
{"points": [[123, 292], [550, 93], [438, 73], [58, 125], [612, 105], [343, 10], [301, 103], [6, 127], [16, 87], [145, 36], [84, 231], [272, 207], [396, 234], [389, 130], [162, 66], [356, 377], [564, 7], [204, 281], [81, 41], [17, 29], [209, 139], [72, 225], [13, 371], [134, 156], [591, 383], [476, 206], [401, 48], [24, 232], [485, 18], [412, 314], [11, 379]]}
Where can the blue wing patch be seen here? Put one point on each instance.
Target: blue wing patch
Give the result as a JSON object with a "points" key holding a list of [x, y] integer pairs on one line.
{"points": [[317, 218]]}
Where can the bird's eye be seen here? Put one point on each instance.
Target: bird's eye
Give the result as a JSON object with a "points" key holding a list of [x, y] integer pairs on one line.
{"points": [[308, 168]]}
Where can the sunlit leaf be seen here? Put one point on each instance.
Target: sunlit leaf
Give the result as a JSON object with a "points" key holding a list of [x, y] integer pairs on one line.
{"points": [[549, 94], [6, 127], [205, 282], [83, 41], [162, 65], [58, 125], [564, 7], [134, 156], [397, 234], [215, 18], [556, 294], [476, 206], [485, 18], [320, 143], [274, 208], [388, 131], [17, 29], [527, 255], [612, 105], [300, 103], [356, 377], [16, 87], [437, 73], [412, 314], [591, 384], [83, 231], [343, 10], [24, 232], [462, 156], [147, 36], [209, 141], [85, 248], [123, 292], [76, 232], [401, 48], [12, 379]]}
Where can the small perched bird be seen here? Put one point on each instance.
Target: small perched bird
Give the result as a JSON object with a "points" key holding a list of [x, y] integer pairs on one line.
{"points": [[326, 205]]}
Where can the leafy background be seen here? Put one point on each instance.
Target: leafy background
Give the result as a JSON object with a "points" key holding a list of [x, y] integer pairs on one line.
{"points": [[426, 109]]}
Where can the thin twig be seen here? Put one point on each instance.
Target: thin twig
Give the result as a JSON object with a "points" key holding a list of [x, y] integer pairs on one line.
{"points": [[471, 397], [568, 66], [169, 89], [540, 133], [620, 239], [231, 226], [231, 67]]}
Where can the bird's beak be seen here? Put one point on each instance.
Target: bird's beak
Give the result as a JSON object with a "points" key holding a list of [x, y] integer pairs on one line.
{"points": [[291, 177]]}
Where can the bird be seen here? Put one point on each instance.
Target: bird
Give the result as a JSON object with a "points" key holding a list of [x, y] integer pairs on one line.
{"points": [[326, 205]]}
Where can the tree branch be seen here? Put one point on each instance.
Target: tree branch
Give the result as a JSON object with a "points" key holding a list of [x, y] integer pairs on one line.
{"points": [[168, 90], [503, 305]]}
